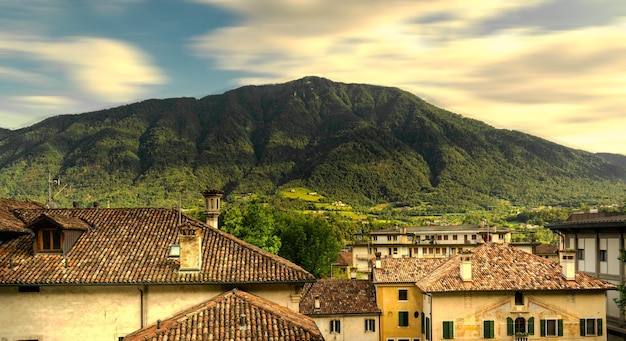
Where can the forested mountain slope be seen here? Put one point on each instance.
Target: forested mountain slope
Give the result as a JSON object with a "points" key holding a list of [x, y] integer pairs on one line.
{"points": [[362, 144]]}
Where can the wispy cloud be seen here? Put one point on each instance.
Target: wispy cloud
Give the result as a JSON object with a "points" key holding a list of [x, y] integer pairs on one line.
{"points": [[103, 68]]}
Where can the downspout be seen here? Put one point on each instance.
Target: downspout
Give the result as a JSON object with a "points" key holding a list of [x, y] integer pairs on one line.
{"points": [[141, 307]]}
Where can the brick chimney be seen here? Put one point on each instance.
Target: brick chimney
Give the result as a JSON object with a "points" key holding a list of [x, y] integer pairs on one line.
{"points": [[212, 205], [190, 241]]}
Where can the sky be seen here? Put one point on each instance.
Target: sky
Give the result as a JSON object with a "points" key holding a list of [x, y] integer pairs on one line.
{"points": [[555, 69]]}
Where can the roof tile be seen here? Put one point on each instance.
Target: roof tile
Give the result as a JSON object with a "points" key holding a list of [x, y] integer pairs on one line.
{"points": [[339, 296]]}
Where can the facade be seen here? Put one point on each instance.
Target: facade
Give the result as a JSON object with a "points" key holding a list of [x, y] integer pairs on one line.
{"points": [[343, 310], [423, 242], [234, 315], [103, 273], [493, 291], [597, 239]]}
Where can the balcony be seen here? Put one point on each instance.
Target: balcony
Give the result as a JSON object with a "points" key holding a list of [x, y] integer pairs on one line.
{"points": [[520, 337]]}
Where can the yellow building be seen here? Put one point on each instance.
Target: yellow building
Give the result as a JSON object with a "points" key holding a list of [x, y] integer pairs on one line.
{"points": [[494, 291]]}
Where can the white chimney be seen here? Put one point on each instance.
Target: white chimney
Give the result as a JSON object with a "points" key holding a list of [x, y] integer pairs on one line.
{"points": [[466, 267], [568, 264]]}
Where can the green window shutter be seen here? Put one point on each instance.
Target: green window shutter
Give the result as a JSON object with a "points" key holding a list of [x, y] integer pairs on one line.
{"points": [[582, 327], [488, 327], [531, 326], [446, 330], [599, 332], [423, 317], [427, 328], [542, 327], [560, 327], [509, 326]]}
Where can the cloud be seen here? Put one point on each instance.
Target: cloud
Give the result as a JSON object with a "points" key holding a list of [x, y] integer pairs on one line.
{"points": [[531, 78], [106, 69]]}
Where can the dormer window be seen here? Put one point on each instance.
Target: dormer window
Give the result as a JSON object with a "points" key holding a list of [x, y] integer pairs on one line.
{"points": [[50, 240]]}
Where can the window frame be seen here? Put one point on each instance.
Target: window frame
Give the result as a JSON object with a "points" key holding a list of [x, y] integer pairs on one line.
{"points": [[370, 325], [51, 233], [580, 254], [544, 324], [489, 329], [595, 323], [335, 326], [403, 295], [447, 330], [603, 255], [403, 322]]}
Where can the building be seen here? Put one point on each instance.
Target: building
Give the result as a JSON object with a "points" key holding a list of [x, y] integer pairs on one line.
{"points": [[547, 251], [492, 291], [103, 273], [423, 242], [343, 266], [343, 309], [234, 315], [597, 239]]}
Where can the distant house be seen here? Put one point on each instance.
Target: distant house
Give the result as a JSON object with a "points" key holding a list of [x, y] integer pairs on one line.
{"points": [[234, 315], [597, 238], [492, 291], [341, 268], [343, 309], [423, 242], [547, 251], [103, 273]]}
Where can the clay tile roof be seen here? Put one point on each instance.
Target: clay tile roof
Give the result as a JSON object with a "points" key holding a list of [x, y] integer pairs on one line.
{"points": [[344, 258], [219, 319], [546, 249], [339, 296], [405, 270], [502, 267], [131, 246], [8, 221]]}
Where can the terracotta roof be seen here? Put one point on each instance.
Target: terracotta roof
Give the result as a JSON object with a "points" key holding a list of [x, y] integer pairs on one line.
{"points": [[405, 270], [219, 319], [344, 258], [339, 296], [8, 221], [546, 249], [591, 219], [131, 246], [60, 221], [502, 267]]}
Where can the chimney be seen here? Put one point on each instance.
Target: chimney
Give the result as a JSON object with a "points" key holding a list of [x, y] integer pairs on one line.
{"points": [[190, 241], [466, 267], [212, 205], [96, 204], [568, 264], [353, 273], [377, 261]]}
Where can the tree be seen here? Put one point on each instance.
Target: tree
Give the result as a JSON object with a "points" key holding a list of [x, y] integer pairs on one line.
{"points": [[255, 225], [309, 241]]}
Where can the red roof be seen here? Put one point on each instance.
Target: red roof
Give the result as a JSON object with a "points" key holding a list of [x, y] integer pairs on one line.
{"points": [[131, 246], [502, 267], [339, 296], [220, 319], [8, 221]]}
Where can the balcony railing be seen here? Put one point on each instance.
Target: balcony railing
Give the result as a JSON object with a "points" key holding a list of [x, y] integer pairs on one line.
{"points": [[520, 337]]}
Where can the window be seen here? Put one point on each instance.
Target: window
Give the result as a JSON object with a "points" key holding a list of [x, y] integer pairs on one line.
{"points": [[519, 298], [395, 250], [370, 325], [335, 326], [603, 255], [445, 237], [448, 329], [375, 238], [50, 240], [455, 237], [580, 254], [473, 237], [519, 326], [403, 295], [551, 327], [439, 237], [403, 319], [590, 327], [488, 329]]}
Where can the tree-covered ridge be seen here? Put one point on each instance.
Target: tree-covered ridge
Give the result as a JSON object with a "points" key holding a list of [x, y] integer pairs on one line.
{"points": [[361, 144]]}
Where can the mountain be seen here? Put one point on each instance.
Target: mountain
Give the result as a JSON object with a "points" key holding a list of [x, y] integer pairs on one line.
{"points": [[617, 159], [358, 143]]}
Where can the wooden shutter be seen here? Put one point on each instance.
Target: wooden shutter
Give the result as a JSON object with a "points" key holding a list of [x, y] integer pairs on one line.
{"points": [[560, 330], [509, 326], [488, 327], [448, 329], [531, 326], [542, 327], [599, 331], [583, 329]]}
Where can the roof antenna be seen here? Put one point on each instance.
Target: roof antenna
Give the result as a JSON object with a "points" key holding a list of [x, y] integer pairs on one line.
{"points": [[180, 207]]}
